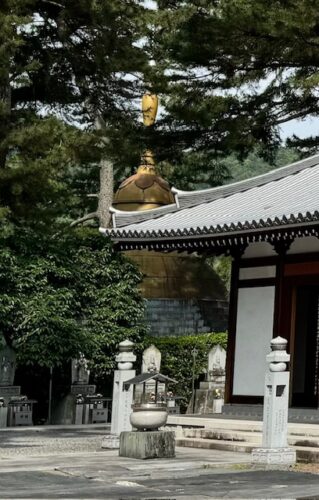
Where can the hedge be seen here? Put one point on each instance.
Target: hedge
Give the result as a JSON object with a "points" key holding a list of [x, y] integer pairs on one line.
{"points": [[177, 358]]}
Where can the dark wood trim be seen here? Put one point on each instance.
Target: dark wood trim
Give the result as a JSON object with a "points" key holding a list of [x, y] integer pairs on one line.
{"points": [[222, 242], [308, 268], [247, 400], [302, 257], [278, 292], [232, 320], [273, 260], [307, 279], [251, 283], [259, 261], [281, 248]]}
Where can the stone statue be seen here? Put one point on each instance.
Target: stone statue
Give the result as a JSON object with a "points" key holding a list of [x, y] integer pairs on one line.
{"points": [[80, 371], [151, 359], [7, 366], [216, 363]]}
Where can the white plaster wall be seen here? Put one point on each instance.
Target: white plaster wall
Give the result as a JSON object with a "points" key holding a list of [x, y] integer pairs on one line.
{"points": [[304, 245], [254, 331], [246, 273], [259, 249]]}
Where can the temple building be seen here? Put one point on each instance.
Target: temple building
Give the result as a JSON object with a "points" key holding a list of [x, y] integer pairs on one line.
{"points": [[184, 295], [269, 225]]}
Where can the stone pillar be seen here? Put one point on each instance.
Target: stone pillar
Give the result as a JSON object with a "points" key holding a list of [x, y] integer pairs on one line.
{"points": [[122, 398], [275, 450]]}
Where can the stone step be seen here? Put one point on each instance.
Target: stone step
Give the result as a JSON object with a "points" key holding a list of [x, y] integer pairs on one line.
{"points": [[217, 444], [296, 430], [223, 435], [214, 423], [248, 437], [304, 453]]}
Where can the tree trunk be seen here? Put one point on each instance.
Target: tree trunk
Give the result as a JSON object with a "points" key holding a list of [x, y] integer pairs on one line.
{"points": [[106, 192], [5, 100], [105, 195]]}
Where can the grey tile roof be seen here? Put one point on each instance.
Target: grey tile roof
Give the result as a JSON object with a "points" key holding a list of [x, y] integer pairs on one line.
{"points": [[286, 196]]}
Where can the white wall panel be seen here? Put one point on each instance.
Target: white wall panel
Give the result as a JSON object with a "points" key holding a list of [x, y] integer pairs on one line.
{"points": [[246, 273], [304, 245], [259, 249], [254, 330]]}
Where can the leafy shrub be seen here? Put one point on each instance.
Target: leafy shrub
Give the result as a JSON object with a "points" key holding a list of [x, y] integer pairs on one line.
{"points": [[177, 358]]}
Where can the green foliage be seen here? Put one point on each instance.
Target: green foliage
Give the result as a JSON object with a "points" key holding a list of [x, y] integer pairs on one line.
{"points": [[64, 63], [222, 266], [177, 358], [67, 293], [237, 70], [254, 164]]}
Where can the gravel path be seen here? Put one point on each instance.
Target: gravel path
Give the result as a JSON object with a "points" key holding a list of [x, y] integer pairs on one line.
{"points": [[50, 441]]}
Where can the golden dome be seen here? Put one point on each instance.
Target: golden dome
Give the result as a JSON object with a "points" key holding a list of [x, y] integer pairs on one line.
{"points": [[143, 190]]}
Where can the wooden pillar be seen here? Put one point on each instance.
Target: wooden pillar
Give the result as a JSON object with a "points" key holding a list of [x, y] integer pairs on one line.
{"points": [[281, 247], [232, 320]]}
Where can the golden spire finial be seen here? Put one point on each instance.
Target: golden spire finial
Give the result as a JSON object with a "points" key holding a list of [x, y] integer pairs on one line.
{"points": [[147, 165], [149, 108], [145, 189]]}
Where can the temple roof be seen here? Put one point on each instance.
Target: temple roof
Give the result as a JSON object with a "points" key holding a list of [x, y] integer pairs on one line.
{"points": [[283, 199]]}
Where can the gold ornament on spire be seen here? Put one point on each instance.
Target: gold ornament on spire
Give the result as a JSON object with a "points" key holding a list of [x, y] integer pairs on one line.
{"points": [[145, 189], [149, 109]]}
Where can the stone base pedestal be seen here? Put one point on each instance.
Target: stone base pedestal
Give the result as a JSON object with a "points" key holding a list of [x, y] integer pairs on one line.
{"points": [[9, 391], [273, 456], [3, 416], [149, 444], [83, 389], [111, 442]]}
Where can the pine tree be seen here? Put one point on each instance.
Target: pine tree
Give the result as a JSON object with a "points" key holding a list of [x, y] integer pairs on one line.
{"points": [[64, 65], [237, 70]]}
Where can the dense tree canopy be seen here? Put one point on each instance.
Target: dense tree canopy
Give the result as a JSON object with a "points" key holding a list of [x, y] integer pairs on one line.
{"points": [[63, 65], [64, 293], [228, 73], [236, 70], [75, 61]]}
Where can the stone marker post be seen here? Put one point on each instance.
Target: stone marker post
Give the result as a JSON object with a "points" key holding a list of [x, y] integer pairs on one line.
{"points": [[274, 448], [122, 398]]}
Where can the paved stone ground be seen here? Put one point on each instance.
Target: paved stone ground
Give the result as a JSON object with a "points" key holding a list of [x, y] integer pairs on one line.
{"points": [[52, 463], [50, 440]]}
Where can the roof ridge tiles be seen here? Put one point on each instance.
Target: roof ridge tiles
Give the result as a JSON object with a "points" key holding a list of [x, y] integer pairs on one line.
{"points": [[188, 199], [307, 217]]}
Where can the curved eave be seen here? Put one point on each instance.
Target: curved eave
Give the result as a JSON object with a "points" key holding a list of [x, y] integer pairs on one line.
{"points": [[218, 236], [187, 199]]}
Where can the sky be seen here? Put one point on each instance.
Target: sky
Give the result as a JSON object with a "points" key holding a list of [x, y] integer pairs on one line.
{"points": [[301, 128]]}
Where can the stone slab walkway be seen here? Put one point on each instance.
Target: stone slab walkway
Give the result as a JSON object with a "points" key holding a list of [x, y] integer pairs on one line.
{"points": [[59, 466]]}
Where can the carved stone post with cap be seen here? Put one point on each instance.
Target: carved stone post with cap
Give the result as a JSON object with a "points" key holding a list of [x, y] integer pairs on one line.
{"points": [[122, 397], [274, 448]]}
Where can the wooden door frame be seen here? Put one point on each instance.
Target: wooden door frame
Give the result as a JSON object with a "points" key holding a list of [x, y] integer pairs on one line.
{"points": [[287, 317]]}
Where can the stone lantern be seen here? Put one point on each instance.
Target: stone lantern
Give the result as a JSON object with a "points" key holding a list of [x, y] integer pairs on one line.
{"points": [[148, 415], [150, 412]]}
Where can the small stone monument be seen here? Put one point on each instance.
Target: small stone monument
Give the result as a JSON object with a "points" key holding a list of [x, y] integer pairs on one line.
{"points": [[7, 366], [80, 376], [151, 360], [122, 396], [216, 366], [10, 393], [74, 408], [209, 398], [151, 363], [7, 389], [80, 371], [275, 450]]}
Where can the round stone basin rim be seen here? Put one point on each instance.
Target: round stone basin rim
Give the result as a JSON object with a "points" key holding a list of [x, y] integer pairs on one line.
{"points": [[149, 407]]}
